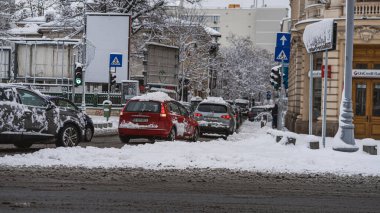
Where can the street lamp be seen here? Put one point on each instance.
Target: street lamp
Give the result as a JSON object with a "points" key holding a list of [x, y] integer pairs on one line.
{"points": [[344, 140]]}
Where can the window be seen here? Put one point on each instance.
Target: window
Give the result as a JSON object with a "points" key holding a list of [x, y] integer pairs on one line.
{"points": [[31, 99], [65, 104], [173, 108], [212, 108], [143, 106], [183, 110]]}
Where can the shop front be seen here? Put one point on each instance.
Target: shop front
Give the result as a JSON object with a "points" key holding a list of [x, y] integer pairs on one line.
{"points": [[366, 91]]}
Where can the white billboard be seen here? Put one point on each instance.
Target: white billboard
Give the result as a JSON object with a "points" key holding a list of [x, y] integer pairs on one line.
{"points": [[107, 33]]}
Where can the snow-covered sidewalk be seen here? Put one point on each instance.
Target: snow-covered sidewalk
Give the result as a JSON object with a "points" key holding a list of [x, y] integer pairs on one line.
{"points": [[105, 131], [252, 149]]}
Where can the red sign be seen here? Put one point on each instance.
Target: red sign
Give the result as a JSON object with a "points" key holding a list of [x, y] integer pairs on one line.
{"points": [[329, 71]]}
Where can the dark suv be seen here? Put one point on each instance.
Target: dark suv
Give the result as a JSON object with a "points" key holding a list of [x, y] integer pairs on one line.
{"points": [[28, 117]]}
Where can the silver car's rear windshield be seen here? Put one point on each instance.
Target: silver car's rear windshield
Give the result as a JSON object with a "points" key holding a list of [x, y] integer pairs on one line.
{"points": [[143, 106], [215, 108]]}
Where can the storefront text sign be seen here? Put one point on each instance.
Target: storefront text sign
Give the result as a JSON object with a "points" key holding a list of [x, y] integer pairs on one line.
{"points": [[365, 73]]}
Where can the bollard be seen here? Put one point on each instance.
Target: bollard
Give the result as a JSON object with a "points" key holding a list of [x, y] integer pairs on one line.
{"points": [[314, 144], [291, 141], [262, 124], [372, 150]]}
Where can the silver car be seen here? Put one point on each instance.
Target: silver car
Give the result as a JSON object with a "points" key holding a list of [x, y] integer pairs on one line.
{"points": [[215, 116]]}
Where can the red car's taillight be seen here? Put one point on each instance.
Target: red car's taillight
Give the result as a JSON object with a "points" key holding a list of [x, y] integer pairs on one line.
{"points": [[227, 117], [197, 114], [162, 113]]}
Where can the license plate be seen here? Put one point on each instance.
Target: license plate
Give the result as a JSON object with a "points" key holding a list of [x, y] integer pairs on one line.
{"points": [[140, 120]]}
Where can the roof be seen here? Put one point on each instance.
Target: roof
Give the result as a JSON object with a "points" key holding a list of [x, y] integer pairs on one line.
{"points": [[241, 101], [154, 96], [214, 100]]}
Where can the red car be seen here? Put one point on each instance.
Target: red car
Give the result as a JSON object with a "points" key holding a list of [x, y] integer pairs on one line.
{"points": [[156, 116]]}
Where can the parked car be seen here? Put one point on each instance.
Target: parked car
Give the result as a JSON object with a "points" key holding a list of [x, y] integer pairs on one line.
{"points": [[194, 101], [28, 117], [156, 116], [256, 110], [244, 106], [214, 115], [68, 108], [187, 105]]}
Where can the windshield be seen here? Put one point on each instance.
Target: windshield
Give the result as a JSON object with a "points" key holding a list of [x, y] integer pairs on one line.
{"points": [[143, 106], [212, 108]]}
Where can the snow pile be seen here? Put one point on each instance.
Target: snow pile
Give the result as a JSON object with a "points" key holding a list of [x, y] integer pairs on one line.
{"points": [[196, 98], [29, 29], [130, 125], [252, 149], [154, 96], [241, 101], [319, 36]]}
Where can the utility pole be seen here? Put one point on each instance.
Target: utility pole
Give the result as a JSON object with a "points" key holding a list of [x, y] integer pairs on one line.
{"points": [[345, 137], [84, 57]]}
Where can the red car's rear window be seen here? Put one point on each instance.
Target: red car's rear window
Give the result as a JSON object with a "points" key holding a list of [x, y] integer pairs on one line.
{"points": [[143, 106]]}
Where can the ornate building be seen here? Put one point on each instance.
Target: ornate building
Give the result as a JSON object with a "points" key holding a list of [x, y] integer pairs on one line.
{"points": [[366, 68]]}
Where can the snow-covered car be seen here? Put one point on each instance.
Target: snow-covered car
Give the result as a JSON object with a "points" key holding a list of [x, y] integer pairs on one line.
{"points": [[243, 104], [256, 110], [215, 116], [27, 117], [68, 108], [194, 102], [156, 116]]}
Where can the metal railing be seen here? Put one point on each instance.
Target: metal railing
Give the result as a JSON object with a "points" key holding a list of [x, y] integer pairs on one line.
{"points": [[370, 9], [92, 99]]}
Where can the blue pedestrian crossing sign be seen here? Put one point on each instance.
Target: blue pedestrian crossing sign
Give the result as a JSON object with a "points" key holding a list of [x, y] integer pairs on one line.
{"points": [[116, 60], [283, 40], [282, 54], [282, 51]]}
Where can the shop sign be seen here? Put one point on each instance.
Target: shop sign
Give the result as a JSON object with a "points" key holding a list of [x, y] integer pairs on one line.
{"points": [[362, 73]]}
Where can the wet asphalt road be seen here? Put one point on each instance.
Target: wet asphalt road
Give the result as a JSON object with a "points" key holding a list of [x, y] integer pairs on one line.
{"points": [[62, 189]]}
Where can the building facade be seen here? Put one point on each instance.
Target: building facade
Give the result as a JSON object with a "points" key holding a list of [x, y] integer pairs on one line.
{"points": [[366, 68], [259, 24]]}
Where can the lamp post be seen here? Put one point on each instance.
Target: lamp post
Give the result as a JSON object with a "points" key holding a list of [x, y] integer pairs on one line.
{"points": [[344, 140]]}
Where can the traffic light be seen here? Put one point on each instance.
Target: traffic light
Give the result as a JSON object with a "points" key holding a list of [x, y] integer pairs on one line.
{"points": [[275, 78], [285, 78], [112, 79], [78, 75]]}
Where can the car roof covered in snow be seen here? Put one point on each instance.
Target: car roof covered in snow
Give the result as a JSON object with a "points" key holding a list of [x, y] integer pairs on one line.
{"points": [[241, 101], [153, 96], [196, 98], [214, 100]]}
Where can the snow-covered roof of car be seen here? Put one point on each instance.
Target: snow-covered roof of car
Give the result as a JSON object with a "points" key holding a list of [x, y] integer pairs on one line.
{"points": [[263, 106], [153, 96], [196, 98], [214, 100], [241, 101]]}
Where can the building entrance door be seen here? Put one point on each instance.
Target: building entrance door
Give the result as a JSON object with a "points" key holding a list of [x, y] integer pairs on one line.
{"points": [[366, 106]]}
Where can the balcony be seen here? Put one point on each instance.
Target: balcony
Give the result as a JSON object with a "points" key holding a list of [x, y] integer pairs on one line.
{"points": [[367, 9]]}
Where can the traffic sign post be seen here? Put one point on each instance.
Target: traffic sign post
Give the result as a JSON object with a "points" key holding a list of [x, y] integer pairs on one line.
{"points": [[116, 60], [282, 54]]}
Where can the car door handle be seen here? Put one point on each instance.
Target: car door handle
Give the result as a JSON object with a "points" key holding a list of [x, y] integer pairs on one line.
{"points": [[28, 114]]}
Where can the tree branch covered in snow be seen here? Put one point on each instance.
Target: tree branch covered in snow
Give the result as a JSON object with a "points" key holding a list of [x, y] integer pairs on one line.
{"points": [[246, 68]]}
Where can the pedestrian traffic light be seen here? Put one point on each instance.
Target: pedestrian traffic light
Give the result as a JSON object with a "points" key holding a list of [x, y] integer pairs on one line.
{"points": [[275, 78], [112, 79], [78, 75]]}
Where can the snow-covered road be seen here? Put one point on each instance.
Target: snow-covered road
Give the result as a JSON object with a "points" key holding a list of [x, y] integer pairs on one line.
{"points": [[252, 149]]}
